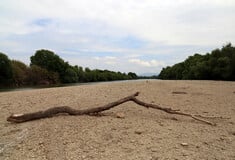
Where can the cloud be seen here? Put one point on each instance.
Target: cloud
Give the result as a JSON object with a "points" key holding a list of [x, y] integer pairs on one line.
{"points": [[151, 63], [172, 22], [42, 22], [145, 34], [109, 60]]}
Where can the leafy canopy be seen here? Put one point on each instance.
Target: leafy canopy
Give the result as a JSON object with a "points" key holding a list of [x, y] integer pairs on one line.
{"points": [[217, 65]]}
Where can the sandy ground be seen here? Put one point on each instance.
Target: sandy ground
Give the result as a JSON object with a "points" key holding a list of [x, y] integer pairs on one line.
{"points": [[143, 134]]}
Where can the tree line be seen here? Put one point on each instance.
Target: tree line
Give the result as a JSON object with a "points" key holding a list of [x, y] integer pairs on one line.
{"points": [[47, 68], [217, 65]]}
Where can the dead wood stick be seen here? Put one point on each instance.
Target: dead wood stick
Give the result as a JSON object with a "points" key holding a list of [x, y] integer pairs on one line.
{"points": [[18, 118], [211, 117], [171, 111]]}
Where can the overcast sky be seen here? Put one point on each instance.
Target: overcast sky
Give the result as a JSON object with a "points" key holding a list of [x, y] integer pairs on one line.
{"points": [[140, 36]]}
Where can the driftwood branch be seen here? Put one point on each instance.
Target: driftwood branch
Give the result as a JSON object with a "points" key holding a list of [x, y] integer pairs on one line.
{"points": [[18, 118], [65, 109], [171, 111]]}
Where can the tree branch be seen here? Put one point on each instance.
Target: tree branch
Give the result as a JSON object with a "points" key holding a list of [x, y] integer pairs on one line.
{"points": [[18, 118], [171, 111]]}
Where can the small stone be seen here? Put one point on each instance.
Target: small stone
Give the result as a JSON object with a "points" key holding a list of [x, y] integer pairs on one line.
{"points": [[222, 138], [132, 141], [175, 119], [113, 129], [18, 147], [184, 144], [231, 123], [30, 148], [222, 148], [206, 143], [138, 132], [154, 149], [232, 133], [41, 143], [65, 143], [120, 115]]}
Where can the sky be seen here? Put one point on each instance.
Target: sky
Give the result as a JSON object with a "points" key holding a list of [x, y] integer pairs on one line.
{"points": [[140, 36]]}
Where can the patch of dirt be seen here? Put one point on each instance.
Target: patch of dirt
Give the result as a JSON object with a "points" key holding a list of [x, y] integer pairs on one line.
{"points": [[129, 131]]}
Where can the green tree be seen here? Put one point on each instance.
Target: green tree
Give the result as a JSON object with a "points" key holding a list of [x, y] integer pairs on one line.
{"points": [[80, 74], [5, 70], [217, 65], [48, 60], [41, 76], [20, 73], [132, 75], [70, 75]]}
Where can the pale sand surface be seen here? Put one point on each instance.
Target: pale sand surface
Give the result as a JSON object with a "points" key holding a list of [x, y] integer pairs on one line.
{"points": [[143, 134]]}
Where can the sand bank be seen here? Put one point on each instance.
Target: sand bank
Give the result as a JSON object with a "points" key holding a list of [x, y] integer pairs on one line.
{"points": [[141, 134]]}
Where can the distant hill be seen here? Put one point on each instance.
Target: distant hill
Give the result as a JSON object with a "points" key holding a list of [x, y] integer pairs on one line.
{"points": [[147, 74]]}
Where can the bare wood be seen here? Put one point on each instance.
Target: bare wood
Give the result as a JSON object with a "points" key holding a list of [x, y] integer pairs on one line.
{"points": [[211, 117], [18, 118], [171, 111]]}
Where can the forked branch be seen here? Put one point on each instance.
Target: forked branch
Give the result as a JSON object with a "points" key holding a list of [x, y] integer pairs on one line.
{"points": [[18, 118]]}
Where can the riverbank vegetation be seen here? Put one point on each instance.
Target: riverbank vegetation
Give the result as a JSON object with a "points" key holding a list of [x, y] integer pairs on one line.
{"points": [[217, 65], [48, 68]]}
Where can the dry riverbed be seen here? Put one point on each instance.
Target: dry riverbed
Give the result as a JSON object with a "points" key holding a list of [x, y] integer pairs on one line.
{"points": [[128, 131]]}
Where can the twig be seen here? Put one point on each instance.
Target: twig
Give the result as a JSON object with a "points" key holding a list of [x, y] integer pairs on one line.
{"points": [[171, 111], [211, 117]]}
